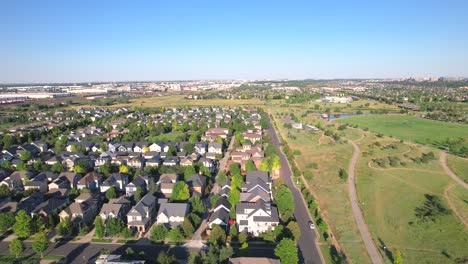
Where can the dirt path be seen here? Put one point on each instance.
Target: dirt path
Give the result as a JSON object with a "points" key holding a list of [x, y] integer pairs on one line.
{"points": [[363, 229], [443, 161], [453, 207]]}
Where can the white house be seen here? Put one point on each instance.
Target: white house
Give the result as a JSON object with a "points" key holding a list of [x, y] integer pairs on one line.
{"points": [[172, 214]]}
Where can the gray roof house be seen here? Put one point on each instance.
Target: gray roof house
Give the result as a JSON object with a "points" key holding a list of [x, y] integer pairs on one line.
{"points": [[172, 214], [142, 214]]}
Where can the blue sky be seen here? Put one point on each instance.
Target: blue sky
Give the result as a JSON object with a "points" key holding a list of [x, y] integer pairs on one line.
{"points": [[59, 41]]}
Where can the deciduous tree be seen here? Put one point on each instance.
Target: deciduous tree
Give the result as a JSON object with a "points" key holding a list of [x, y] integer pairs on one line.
{"points": [[40, 243], [16, 247], [287, 251], [23, 225]]}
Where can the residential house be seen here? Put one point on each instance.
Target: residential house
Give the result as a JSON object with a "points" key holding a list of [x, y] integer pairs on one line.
{"points": [[140, 181], [82, 211], [171, 161], [118, 180], [220, 215], [71, 177], [166, 183], [172, 214], [156, 147], [200, 147], [90, 181], [142, 214], [197, 184], [256, 218], [215, 147], [41, 186], [115, 208]]}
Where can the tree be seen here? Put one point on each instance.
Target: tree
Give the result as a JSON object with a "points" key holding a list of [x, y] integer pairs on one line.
{"points": [[221, 177], [188, 227], [81, 166], [286, 250], [398, 257], [64, 228], [225, 253], [180, 192], [23, 225], [16, 247], [124, 169], [189, 148], [214, 199], [7, 220], [175, 235], [193, 138], [234, 168], [164, 258], [431, 209], [114, 226], [6, 165], [189, 171], [243, 237], [285, 202], [195, 219], [158, 233], [265, 165], [198, 207], [275, 162], [194, 258], [111, 193], [343, 174], [21, 166], [294, 230], [108, 168], [57, 167], [250, 166], [138, 194], [40, 243], [25, 155], [99, 227], [233, 231], [217, 235]]}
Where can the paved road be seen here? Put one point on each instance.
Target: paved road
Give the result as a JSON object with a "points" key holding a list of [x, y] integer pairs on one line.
{"points": [[80, 253], [443, 161], [366, 237], [308, 250]]}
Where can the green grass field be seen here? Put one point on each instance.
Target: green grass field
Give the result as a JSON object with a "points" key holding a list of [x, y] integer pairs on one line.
{"points": [[459, 166], [410, 128], [388, 197]]}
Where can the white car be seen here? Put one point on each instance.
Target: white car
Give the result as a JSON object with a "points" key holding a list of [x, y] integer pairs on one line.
{"points": [[311, 225]]}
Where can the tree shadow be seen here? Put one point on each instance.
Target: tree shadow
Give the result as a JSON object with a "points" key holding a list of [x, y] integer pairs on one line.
{"points": [[385, 249], [337, 257]]}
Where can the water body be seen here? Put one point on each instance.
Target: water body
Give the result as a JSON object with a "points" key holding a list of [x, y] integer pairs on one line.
{"points": [[335, 116]]}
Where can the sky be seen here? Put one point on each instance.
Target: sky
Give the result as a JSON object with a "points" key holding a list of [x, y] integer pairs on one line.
{"points": [[81, 41]]}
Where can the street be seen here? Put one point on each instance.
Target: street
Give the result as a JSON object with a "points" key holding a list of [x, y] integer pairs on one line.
{"points": [[308, 250]]}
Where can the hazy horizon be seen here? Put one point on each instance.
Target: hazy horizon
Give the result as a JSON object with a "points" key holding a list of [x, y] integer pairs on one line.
{"points": [[88, 41]]}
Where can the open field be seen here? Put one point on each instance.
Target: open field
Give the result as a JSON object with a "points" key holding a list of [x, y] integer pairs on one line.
{"points": [[331, 191], [459, 166], [389, 196], [180, 101], [419, 130]]}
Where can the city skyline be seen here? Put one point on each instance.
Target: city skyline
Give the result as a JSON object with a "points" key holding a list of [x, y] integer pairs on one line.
{"points": [[106, 41]]}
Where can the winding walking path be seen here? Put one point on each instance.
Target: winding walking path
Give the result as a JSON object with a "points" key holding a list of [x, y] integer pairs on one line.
{"points": [[443, 161], [452, 206], [363, 229]]}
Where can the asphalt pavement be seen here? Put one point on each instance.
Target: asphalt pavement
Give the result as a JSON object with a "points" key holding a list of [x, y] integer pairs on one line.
{"points": [[309, 252]]}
